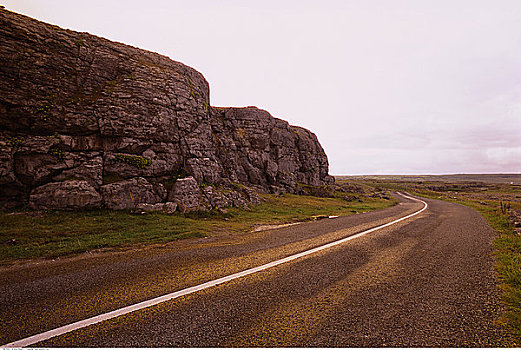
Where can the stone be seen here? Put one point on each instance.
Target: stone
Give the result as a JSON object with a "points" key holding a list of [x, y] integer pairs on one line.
{"points": [[185, 193], [235, 196], [237, 200], [160, 191], [6, 160], [167, 208], [216, 199], [128, 194], [66, 195], [12, 194], [91, 170], [252, 196]]}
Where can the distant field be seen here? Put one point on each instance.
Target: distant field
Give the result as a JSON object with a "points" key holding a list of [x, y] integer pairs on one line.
{"points": [[455, 178]]}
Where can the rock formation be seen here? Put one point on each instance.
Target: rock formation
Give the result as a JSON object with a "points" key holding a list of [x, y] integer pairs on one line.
{"points": [[86, 123]]}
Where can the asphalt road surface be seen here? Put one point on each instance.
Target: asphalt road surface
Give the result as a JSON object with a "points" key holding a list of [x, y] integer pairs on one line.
{"points": [[426, 281]]}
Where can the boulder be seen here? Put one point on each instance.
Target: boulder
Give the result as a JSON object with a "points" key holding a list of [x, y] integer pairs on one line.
{"points": [[128, 194], [185, 193], [222, 198], [66, 195], [167, 208]]}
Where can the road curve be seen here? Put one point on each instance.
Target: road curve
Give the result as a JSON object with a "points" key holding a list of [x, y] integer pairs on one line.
{"points": [[174, 295], [425, 281]]}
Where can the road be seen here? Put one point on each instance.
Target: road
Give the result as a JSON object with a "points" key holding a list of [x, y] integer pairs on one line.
{"points": [[425, 281]]}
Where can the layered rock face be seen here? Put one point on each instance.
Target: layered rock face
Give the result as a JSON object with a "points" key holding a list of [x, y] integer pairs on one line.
{"points": [[115, 126]]}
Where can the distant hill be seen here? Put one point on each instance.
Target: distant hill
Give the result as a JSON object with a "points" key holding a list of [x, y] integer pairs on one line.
{"points": [[487, 178]]}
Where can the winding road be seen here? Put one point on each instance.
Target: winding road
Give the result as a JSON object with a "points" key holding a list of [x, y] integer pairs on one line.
{"points": [[417, 274]]}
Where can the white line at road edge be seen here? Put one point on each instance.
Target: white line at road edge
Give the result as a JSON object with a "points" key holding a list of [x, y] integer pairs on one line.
{"points": [[147, 303]]}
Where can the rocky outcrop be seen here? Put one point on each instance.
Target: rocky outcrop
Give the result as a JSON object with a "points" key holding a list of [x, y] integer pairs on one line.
{"points": [[254, 148], [81, 113]]}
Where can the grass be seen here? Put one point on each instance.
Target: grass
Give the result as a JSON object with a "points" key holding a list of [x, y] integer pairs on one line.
{"points": [[485, 198], [28, 234]]}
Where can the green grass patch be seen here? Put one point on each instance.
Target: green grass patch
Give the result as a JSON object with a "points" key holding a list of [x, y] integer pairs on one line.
{"points": [[51, 234], [61, 233]]}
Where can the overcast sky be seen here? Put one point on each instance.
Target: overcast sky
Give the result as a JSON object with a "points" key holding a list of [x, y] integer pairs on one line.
{"points": [[389, 87]]}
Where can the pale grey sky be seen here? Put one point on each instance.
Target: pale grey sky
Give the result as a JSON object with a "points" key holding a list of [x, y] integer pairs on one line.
{"points": [[388, 86]]}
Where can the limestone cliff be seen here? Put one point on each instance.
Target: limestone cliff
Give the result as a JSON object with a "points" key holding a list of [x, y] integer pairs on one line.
{"points": [[86, 122]]}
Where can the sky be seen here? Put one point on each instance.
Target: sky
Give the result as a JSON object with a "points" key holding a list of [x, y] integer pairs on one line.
{"points": [[388, 86]]}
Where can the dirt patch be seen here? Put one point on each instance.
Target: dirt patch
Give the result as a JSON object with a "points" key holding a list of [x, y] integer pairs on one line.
{"points": [[272, 227]]}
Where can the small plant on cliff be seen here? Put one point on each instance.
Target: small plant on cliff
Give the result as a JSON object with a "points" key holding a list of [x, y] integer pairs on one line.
{"points": [[193, 93], [168, 184], [137, 161], [203, 185], [241, 133], [111, 85], [58, 154], [79, 42], [43, 110], [16, 142], [180, 173]]}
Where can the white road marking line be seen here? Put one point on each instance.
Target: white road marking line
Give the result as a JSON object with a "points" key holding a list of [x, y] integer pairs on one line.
{"points": [[131, 308]]}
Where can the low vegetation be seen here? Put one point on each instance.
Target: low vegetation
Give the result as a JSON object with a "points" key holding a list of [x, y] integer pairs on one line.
{"points": [[498, 199], [137, 161], [29, 234]]}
